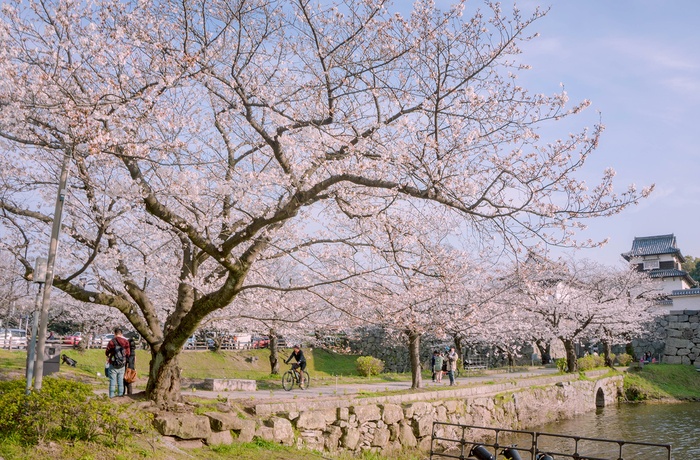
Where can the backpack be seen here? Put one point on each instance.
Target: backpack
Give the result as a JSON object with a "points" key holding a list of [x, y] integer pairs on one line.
{"points": [[117, 359]]}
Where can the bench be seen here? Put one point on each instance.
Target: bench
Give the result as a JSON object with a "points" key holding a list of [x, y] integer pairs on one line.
{"points": [[229, 385]]}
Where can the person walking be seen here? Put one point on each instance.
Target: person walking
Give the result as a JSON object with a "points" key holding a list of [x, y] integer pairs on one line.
{"points": [[452, 358], [118, 351], [432, 363], [130, 364], [438, 367]]}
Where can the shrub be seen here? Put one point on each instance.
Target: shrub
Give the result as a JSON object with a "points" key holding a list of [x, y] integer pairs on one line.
{"points": [[62, 410], [590, 362], [562, 365], [369, 365], [623, 359]]}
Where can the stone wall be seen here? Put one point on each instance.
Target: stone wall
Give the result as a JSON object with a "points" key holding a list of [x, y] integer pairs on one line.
{"points": [[682, 337], [392, 422], [386, 423]]}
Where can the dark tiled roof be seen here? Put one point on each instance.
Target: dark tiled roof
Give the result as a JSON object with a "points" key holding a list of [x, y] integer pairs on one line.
{"points": [[679, 292], [672, 272], [653, 245], [667, 273]]}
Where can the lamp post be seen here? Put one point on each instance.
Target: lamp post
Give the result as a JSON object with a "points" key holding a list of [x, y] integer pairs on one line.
{"points": [[53, 246], [38, 278]]}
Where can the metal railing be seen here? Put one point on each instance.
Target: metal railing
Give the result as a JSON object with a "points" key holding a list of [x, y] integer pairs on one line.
{"points": [[451, 440]]}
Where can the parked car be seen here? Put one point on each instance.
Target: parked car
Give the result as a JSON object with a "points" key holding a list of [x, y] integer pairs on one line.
{"points": [[13, 338], [260, 342], [73, 339], [193, 343], [101, 341]]}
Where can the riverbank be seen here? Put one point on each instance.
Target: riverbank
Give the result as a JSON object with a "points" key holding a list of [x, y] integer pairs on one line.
{"points": [[651, 383], [662, 383]]}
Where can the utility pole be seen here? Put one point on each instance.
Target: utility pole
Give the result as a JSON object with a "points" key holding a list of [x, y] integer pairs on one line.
{"points": [[39, 278], [53, 246]]}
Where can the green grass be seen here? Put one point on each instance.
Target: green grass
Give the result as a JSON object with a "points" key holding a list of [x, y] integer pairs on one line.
{"points": [[662, 381], [263, 449], [245, 364]]}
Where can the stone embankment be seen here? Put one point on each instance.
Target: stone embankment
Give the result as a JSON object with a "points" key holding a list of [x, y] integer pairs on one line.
{"points": [[673, 338], [682, 337], [386, 423]]}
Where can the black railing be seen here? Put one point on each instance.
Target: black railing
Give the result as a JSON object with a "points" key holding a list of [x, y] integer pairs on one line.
{"points": [[451, 440]]}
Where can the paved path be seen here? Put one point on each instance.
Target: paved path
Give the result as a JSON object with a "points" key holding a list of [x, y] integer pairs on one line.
{"points": [[326, 388]]}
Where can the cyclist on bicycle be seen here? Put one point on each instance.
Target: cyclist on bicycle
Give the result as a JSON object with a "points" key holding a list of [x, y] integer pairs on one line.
{"points": [[298, 355]]}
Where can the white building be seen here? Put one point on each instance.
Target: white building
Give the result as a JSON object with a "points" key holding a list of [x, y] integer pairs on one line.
{"points": [[661, 258]]}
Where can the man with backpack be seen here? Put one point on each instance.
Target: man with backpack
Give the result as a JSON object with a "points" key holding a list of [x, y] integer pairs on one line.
{"points": [[118, 352]]}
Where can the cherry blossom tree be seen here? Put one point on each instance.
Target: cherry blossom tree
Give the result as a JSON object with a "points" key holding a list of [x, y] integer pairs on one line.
{"points": [[628, 300], [576, 300], [202, 137]]}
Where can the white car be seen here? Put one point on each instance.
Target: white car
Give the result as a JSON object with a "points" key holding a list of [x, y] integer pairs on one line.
{"points": [[13, 338], [101, 341]]}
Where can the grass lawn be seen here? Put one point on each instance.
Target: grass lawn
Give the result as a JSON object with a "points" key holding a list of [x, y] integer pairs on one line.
{"points": [[663, 381], [323, 365]]}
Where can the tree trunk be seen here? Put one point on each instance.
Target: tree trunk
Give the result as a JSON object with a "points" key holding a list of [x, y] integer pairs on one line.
{"points": [[607, 352], [458, 348], [571, 361], [545, 349], [274, 363], [164, 379], [414, 351]]}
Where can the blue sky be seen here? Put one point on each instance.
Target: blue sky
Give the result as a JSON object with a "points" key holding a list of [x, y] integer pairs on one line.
{"points": [[639, 64]]}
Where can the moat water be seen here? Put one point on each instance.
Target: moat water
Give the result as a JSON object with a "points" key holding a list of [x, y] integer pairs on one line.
{"points": [[675, 424]]}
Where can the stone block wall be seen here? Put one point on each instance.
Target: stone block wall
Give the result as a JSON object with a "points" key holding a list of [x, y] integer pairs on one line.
{"points": [[387, 423], [682, 344]]}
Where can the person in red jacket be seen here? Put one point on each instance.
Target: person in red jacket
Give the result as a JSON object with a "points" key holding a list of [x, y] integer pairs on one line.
{"points": [[118, 352]]}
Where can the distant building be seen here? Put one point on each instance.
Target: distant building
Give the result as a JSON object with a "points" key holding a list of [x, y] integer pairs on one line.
{"points": [[660, 256]]}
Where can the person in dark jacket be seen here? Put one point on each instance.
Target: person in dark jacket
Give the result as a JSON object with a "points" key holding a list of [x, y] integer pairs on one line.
{"points": [[130, 364], [298, 355]]}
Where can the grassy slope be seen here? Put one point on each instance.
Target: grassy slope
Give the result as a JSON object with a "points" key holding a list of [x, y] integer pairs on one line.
{"points": [[663, 381], [244, 364]]}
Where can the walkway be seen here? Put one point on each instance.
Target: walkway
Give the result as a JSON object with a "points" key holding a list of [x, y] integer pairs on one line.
{"points": [[326, 387]]}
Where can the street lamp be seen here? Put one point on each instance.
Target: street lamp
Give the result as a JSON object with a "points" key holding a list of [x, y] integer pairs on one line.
{"points": [[39, 277]]}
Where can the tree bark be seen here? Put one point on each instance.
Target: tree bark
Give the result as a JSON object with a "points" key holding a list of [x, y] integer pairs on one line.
{"points": [[164, 379], [274, 362], [571, 360], [545, 349], [414, 351], [607, 352]]}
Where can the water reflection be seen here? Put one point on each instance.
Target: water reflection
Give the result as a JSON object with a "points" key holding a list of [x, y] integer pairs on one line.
{"points": [[676, 424]]}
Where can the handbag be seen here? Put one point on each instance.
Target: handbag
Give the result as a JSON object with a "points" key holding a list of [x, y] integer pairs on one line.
{"points": [[130, 375]]}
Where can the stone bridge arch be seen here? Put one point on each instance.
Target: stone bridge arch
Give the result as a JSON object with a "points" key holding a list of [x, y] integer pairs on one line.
{"points": [[607, 391]]}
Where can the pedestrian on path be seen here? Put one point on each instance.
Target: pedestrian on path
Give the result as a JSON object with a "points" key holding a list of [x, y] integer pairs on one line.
{"points": [[118, 351], [452, 365], [437, 368], [130, 364]]}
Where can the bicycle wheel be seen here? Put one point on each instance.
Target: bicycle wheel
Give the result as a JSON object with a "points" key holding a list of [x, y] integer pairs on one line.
{"points": [[288, 380], [307, 381]]}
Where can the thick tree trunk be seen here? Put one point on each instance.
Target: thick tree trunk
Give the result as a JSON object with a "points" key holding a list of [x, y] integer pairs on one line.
{"points": [[571, 360], [607, 352], [164, 379], [545, 349], [414, 351], [274, 362]]}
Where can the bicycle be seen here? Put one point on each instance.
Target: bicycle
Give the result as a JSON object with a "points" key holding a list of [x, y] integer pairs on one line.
{"points": [[291, 377]]}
